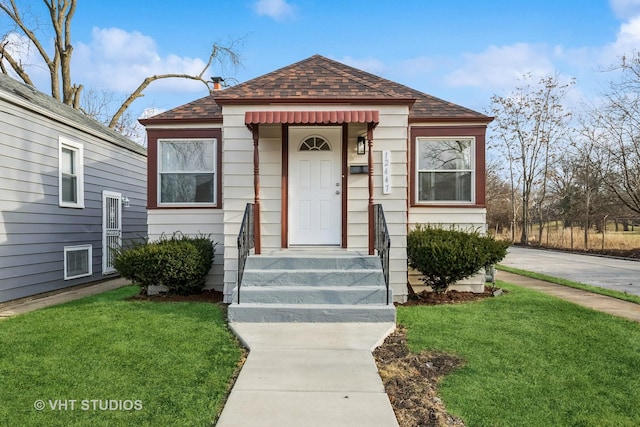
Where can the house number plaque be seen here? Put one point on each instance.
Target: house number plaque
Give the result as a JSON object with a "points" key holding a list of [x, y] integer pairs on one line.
{"points": [[386, 172]]}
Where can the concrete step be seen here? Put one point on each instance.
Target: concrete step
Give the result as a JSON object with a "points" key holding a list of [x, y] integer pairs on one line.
{"points": [[318, 287], [313, 277], [277, 313], [343, 261], [296, 294]]}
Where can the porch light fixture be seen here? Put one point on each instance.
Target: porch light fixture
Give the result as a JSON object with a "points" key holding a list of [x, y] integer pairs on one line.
{"points": [[361, 147], [125, 202]]}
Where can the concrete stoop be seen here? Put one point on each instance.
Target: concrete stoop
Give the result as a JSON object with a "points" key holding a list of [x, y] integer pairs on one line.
{"points": [[312, 288]]}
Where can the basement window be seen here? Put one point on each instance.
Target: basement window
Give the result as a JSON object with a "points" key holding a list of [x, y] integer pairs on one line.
{"points": [[77, 261]]}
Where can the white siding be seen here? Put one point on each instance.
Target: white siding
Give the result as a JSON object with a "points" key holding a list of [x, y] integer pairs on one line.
{"points": [[192, 222], [466, 219], [460, 218], [390, 134]]}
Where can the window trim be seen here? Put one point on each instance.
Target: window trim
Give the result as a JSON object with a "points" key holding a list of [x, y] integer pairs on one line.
{"points": [[154, 134], [78, 248], [476, 130], [78, 148], [472, 146], [215, 173]]}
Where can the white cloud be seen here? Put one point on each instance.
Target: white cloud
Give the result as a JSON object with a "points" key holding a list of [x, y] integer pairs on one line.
{"points": [[625, 9], [500, 67], [276, 9], [628, 38], [119, 60]]}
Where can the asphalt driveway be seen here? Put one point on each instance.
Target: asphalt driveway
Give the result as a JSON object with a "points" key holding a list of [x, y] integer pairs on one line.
{"points": [[611, 273]]}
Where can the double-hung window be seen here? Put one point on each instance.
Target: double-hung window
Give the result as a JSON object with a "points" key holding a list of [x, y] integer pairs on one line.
{"points": [[187, 171], [71, 176], [445, 170]]}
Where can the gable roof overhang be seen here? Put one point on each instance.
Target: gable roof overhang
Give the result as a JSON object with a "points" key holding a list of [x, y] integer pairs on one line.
{"points": [[334, 117]]}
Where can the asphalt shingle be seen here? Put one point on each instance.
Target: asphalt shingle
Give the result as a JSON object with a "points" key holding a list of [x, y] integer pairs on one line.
{"points": [[319, 79]]}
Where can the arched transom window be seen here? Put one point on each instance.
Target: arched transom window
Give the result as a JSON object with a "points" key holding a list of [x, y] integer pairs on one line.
{"points": [[315, 143]]}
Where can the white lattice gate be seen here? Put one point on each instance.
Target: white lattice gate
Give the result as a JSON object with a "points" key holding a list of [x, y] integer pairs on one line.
{"points": [[111, 228]]}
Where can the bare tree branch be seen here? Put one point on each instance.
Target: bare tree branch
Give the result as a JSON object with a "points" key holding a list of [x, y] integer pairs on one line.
{"points": [[18, 68], [139, 93], [218, 53], [58, 61], [13, 12]]}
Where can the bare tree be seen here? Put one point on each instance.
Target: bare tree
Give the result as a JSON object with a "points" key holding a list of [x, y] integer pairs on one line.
{"points": [[618, 120], [499, 203], [529, 126], [61, 13]]}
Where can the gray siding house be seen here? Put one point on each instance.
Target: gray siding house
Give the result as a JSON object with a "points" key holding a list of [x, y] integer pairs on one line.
{"points": [[70, 188]]}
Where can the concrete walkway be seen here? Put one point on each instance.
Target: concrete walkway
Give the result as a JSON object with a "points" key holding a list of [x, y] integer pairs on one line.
{"points": [[598, 302], [26, 305], [309, 374], [622, 275]]}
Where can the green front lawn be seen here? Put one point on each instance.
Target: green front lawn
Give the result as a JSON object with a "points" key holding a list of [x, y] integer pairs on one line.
{"points": [[533, 360], [122, 362]]}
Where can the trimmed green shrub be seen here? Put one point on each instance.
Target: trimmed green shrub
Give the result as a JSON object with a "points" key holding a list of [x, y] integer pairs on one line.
{"points": [[180, 263], [203, 245], [444, 257]]}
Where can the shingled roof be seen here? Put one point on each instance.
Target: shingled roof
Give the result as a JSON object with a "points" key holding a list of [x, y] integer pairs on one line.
{"points": [[28, 97], [320, 80]]}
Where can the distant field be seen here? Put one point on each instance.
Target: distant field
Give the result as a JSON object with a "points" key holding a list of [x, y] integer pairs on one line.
{"points": [[554, 235]]}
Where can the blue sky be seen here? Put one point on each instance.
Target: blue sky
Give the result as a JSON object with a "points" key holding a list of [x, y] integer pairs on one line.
{"points": [[459, 50]]}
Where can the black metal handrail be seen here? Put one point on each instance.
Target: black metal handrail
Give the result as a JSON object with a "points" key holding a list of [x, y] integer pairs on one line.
{"points": [[245, 241], [382, 242]]}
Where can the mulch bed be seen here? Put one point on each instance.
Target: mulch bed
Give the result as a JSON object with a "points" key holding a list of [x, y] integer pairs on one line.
{"points": [[450, 297], [411, 381]]}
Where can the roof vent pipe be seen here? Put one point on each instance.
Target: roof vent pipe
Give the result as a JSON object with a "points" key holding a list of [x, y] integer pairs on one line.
{"points": [[217, 82]]}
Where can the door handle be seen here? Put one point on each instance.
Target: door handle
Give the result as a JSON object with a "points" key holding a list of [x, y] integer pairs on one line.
{"points": [[337, 191]]}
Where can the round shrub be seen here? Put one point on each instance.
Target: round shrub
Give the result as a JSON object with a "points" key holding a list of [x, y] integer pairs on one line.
{"points": [[444, 257], [180, 263]]}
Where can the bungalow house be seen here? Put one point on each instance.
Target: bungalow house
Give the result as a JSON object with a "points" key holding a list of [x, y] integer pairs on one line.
{"points": [[317, 167], [70, 188]]}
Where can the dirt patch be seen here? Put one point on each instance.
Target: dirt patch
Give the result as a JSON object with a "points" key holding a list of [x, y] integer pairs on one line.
{"points": [[411, 382]]}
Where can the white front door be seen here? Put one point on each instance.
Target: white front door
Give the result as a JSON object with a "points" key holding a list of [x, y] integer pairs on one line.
{"points": [[315, 186], [111, 228]]}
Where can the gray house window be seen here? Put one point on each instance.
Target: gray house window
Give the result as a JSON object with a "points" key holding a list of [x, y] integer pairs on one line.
{"points": [[187, 171], [445, 170], [77, 261], [71, 175]]}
